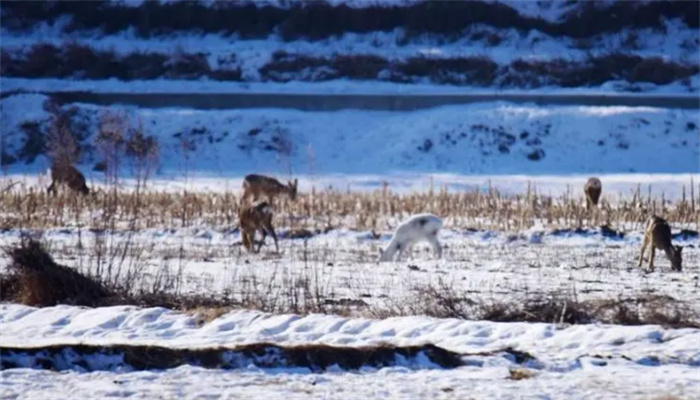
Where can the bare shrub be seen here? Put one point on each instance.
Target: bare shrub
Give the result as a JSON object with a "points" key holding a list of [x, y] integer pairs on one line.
{"points": [[36, 280]]}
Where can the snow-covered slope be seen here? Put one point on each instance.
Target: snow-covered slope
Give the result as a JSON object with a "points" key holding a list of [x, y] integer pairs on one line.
{"points": [[493, 138], [30, 327]]}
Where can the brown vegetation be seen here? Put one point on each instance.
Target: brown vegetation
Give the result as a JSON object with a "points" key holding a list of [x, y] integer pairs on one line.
{"points": [[442, 301], [35, 279], [26, 208]]}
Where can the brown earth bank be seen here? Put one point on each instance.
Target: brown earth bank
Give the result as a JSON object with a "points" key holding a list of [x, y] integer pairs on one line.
{"points": [[317, 358]]}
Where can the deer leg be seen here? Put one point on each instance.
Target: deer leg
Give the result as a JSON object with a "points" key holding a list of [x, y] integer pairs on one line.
{"points": [[436, 245], [262, 241], [245, 238], [52, 188], [397, 252], [272, 233], [651, 258], [641, 253], [405, 249]]}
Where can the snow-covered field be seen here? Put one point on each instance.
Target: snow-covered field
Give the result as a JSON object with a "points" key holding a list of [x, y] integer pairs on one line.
{"points": [[456, 146], [513, 148], [578, 362], [342, 265]]}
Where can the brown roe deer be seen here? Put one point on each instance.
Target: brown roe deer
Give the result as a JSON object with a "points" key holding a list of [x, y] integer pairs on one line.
{"points": [[256, 186], [66, 174], [592, 189], [658, 235], [256, 218]]}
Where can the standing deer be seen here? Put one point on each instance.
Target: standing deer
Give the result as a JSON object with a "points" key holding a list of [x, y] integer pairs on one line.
{"points": [[252, 219], [420, 227], [658, 235], [257, 185], [592, 189], [67, 174]]}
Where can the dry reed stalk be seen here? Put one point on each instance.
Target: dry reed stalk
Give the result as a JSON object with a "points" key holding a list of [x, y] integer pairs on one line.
{"points": [[29, 208]]}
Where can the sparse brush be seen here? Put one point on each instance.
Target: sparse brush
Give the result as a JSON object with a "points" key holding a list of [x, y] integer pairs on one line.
{"points": [[29, 207]]}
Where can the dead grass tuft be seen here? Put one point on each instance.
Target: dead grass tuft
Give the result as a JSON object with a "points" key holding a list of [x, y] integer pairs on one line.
{"points": [[518, 374], [204, 315], [36, 280]]}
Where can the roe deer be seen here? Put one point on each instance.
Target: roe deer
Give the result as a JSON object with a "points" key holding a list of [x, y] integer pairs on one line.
{"points": [[255, 186], [68, 175], [420, 227], [592, 189], [658, 235], [252, 219]]}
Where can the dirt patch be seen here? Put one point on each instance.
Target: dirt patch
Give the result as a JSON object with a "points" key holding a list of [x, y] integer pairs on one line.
{"points": [[518, 374]]}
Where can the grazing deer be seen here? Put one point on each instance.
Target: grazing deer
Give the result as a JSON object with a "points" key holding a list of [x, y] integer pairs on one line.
{"points": [[658, 235], [252, 219], [68, 175], [420, 227], [257, 185], [592, 189]]}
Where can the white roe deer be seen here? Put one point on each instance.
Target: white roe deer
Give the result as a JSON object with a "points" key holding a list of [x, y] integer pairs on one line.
{"points": [[256, 218], [63, 173], [592, 189], [658, 235], [255, 186], [417, 228]]}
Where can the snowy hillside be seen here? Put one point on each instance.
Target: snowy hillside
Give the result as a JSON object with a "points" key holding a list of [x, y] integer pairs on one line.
{"points": [[515, 45], [487, 138]]}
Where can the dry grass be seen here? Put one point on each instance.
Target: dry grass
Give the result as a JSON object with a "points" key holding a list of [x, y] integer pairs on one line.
{"points": [[32, 208], [35, 279], [204, 315], [518, 374], [441, 300]]}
